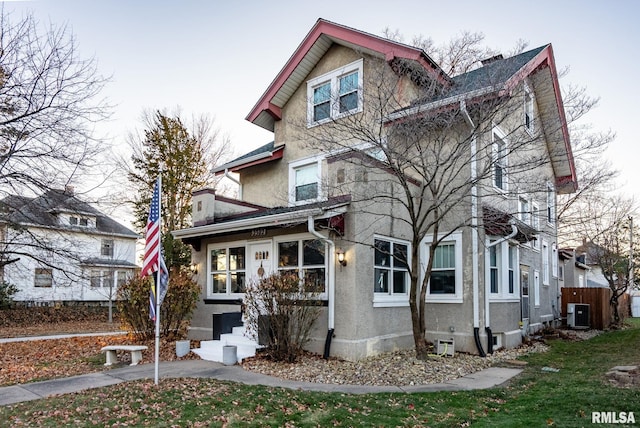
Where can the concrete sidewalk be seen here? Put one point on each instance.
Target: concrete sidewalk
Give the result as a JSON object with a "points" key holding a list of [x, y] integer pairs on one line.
{"points": [[487, 378]]}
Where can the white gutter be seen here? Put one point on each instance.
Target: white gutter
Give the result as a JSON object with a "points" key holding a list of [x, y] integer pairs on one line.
{"points": [[242, 224], [474, 220], [236, 181], [443, 102], [243, 161], [331, 274]]}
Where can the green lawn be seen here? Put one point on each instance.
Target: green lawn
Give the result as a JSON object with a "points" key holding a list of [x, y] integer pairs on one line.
{"points": [[534, 399]]}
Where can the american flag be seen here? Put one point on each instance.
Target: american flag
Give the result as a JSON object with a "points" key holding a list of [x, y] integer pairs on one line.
{"points": [[153, 259]]}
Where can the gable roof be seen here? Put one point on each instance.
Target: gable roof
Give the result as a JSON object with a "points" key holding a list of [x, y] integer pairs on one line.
{"points": [[267, 153], [500, 77], [43, 210], [317, 42]]}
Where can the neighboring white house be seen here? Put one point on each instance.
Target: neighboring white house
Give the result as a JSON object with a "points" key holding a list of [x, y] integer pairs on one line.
{"points": [[57, 248]]}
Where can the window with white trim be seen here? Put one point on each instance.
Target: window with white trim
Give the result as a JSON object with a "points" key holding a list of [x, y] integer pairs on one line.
{"points": [[227, 270], [445, 283], [335, 94], [554, 260], [502, 262], [551, 204], [43, 277], [536, 288], [99, 278], [535, 223], [499, 158], [106, 247], [528, 110], [307, 259], [391, 269], [304, 181], [513, 270], [524, 211], [545, 262], [494, 268]]}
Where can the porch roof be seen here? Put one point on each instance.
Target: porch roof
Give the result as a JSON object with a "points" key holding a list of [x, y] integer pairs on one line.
{"points": [[271, 217]]}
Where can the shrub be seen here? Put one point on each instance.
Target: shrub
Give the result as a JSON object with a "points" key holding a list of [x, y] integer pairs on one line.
{"points": [[175, 312], [281, 312], [6, 294]]}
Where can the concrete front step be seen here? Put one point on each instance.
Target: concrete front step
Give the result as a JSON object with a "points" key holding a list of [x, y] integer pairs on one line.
{"points": [[212, 350]]}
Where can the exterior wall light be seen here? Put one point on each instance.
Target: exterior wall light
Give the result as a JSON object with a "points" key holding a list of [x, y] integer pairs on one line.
{"points": [[341, 259], [194, 268]]}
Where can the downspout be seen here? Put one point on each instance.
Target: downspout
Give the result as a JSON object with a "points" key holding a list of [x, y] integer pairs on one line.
{"points": [[474, 233], [331, 286], [487, 291], [227, 175]]}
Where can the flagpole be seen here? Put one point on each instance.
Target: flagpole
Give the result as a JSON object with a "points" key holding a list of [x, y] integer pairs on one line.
{"points": [[157, 285]]}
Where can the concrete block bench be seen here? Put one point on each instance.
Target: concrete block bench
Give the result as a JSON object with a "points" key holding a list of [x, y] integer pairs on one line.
{"points": [[112, 357]]}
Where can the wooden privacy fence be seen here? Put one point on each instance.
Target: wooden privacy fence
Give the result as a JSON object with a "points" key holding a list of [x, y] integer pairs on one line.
{"points": [[600, 313]]}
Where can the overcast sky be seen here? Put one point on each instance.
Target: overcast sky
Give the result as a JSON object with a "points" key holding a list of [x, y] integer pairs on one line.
{"points": [[218, 57]]}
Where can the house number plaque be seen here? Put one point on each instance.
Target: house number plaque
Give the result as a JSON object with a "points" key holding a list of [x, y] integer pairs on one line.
{"points": [[258, 232]]}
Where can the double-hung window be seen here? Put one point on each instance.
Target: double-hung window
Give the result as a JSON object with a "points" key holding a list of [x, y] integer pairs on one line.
{"points": [[306, 258], [106, 248], [551, 204], [535, 223], [528, 110], [304, 181], [391, 269], [524, 210], [502, 269], [335, 94], [227, 267], [43, 277], [499, 149], [545, 263], [445, 282]]}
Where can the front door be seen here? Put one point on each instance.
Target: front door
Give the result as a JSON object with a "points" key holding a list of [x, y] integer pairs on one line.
{"points": [[260, 260]]}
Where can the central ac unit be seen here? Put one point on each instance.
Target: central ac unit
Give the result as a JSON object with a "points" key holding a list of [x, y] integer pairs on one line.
{"points": [[578, 315]]}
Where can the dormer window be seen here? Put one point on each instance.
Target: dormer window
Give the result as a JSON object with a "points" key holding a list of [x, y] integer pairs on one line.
{"points": [[78, 221], [335, 94]]}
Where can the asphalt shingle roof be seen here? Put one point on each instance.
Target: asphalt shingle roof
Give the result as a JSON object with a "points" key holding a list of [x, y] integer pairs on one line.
{"points": [[43, 211]]}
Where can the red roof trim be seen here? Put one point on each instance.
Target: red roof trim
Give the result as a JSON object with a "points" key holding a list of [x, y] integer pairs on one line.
{"points": [[389, 48], [546, 59], [278, 153]]}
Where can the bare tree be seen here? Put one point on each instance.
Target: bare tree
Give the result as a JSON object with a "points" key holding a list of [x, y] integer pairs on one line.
{"points": [[49, 103], [425, 160], [466, 51], [609, 243]]}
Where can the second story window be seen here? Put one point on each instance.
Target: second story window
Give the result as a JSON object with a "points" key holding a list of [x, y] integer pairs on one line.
{"points": [[528, 109], [335, 94], [551, 205], [499, 161], [107, 248], [304, 181]]}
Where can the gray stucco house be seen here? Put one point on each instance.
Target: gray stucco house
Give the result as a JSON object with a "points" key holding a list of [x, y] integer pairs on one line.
{"points": [[495, 267]]}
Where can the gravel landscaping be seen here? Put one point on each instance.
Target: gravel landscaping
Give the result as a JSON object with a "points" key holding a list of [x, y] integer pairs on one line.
{"points": [[395, 368]]}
